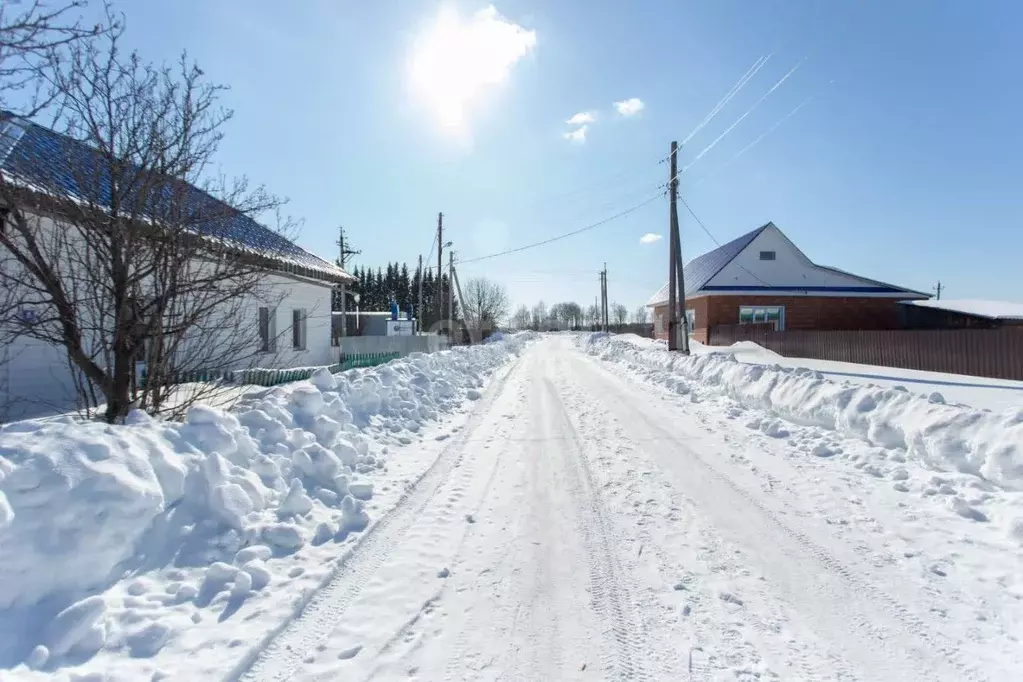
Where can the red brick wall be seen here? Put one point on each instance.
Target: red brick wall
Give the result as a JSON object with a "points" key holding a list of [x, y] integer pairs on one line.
{"points": [[801, 312], [700, 305]]}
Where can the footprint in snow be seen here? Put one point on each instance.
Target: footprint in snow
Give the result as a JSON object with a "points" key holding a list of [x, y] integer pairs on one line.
{"points": [[350, 653]]}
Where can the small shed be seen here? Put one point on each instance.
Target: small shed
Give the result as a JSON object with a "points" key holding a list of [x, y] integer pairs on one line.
{"points": [[961, 314]]}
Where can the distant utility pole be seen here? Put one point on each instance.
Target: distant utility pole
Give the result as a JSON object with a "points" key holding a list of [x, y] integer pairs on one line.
{"points": [[343, 252], [676, 280], [603, 298], [451, 293], [938, 289], [419, 309], [440, 267], [471, 324]]}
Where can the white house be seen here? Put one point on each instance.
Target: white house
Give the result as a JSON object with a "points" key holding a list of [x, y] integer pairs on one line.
{"points": [[295, 331]]}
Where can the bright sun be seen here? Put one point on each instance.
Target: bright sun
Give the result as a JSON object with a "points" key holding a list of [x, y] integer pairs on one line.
{"points": [[455, 59]]}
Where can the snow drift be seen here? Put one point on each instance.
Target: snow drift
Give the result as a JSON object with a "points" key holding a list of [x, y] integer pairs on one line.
{"points": [[941, 436], [86, 505]]}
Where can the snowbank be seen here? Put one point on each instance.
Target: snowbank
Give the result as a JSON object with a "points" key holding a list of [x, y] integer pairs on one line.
{"points": [[941, 436], [84, 506]]}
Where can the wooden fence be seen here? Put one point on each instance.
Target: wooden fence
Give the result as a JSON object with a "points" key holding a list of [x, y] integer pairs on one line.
{"points": [[994, 353]]}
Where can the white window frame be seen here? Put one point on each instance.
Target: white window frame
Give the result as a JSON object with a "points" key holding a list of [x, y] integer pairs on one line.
{"points": [[779, 324], [658, 323], [691, 319], [267, 337], [298, 328]]}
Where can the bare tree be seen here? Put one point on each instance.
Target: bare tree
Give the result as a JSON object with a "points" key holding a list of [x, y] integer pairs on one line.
{"points": [[31, 36], [113, 244], [485, 304], [540, 316], [641, 315], [568, 314], [619, 314], [593, 315], [521, 319]]}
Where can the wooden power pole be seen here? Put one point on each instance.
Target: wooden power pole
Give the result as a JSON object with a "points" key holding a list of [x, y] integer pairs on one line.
{"points": [[419, 308], [451, 294], [676, 279], [603, 298], [343, 252], [439, 289]]}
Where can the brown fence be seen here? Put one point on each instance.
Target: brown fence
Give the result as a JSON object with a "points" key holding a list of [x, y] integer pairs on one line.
{"points": [[995, 353]]}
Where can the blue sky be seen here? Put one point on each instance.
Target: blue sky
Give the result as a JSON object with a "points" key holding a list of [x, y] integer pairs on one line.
{"points": [[904, 165]]}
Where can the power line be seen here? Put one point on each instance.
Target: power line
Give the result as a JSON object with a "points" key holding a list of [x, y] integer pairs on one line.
{"points": [[715, 239], [745, 78], [567, 234], [739, 120], [752, 144]]}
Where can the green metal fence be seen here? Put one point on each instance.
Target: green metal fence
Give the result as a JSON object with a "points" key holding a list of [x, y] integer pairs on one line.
{"points": [[272, 377]]}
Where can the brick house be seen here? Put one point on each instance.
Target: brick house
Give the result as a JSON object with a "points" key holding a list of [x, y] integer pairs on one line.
{"points": [[763, 278]]}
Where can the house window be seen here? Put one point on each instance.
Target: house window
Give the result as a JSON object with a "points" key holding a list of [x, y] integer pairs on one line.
{"points": [[767, 255], [659, 323], [298, 318], [267, 330], [691, 320], [749, 314]]}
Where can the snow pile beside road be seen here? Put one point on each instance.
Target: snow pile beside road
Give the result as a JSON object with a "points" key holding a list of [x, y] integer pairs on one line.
{"points": [[84, 507], [940, 436]]}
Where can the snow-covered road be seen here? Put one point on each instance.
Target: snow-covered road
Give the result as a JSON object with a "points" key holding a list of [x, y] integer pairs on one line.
{"points": [[586, 524]]}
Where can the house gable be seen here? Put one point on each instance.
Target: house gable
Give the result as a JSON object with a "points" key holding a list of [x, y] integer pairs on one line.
{"points": [[701, 269]]}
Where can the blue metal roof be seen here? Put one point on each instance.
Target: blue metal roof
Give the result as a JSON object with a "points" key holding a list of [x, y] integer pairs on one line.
{"points": [[50, 162], [702, 269]]}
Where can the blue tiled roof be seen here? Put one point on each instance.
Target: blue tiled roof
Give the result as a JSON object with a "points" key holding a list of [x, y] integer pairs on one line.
{"points": [[55, 163], [702, 269]]}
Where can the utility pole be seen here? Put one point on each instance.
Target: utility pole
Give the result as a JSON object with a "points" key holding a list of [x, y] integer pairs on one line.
{"points": [[440, 267], [938, 290], [676, 279], [472, 324], [451, 294], [603, 298], [343, 253], [419, 308]]}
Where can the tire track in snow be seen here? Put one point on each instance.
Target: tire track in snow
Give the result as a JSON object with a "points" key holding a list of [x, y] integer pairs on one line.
{"points": [[624, 658], [898, 614], [282, 651]]}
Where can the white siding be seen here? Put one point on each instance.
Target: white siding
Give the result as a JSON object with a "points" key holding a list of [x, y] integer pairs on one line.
{"points": [[314, 299], [36, 378], [790, 268]]}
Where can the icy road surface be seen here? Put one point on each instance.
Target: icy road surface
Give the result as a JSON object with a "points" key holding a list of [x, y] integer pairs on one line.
{"points": [[585, 525]]}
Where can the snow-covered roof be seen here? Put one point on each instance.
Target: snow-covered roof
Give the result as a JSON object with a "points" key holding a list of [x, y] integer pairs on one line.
{"points": [[992, 310], [49, 162]]}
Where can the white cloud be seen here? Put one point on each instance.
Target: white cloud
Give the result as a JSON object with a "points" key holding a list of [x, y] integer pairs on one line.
{"points": [[582, 118], [578, 135], [650, 238], [630, 107], [457, 58]]}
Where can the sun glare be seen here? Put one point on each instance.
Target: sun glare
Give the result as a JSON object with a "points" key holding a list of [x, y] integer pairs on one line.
{"points": [[456, 58]]}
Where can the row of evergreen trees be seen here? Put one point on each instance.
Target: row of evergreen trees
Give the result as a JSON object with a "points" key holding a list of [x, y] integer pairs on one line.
{"points": [[375, 289]]}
